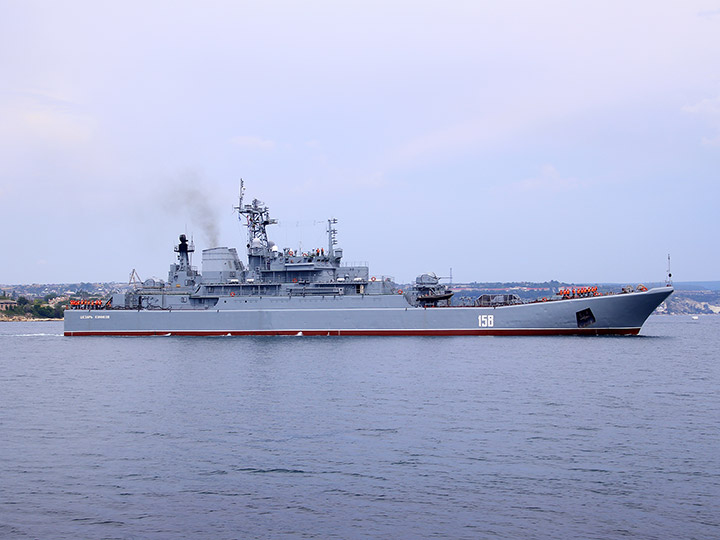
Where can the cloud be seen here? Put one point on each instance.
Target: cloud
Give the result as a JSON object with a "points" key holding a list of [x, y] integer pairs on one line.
{"points": [[253, 143], [710, 106], [709, 13], [708, 109], [711, 141], [490, 127], [438, 143], [37, 118], [57, 127], [549, 180], [352, 181]]}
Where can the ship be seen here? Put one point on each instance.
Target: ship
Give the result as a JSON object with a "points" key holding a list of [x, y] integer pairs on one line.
{"points": [[285, 292]]}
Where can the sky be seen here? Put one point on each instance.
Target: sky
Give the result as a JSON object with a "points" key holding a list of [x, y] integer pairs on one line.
{"points": [[499, 141]]}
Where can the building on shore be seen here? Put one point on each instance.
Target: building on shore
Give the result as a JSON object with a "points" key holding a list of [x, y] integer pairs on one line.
{"points": [[6, 304]]}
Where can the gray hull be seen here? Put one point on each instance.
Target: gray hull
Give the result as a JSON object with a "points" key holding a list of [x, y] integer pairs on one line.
{"points": [[373, 315]]}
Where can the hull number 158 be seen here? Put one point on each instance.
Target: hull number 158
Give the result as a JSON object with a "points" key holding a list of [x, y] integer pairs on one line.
{"points": [[486, 321]]}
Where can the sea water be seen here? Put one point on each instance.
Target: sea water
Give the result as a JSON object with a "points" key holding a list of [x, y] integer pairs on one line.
{"points": [[361, 437]]}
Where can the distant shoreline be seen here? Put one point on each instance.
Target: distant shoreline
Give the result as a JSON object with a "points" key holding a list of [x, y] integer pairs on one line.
{"points": [[26, 319]]}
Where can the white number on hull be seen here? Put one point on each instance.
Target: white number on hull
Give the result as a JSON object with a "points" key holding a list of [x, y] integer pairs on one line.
{"points": [[486, 321]]}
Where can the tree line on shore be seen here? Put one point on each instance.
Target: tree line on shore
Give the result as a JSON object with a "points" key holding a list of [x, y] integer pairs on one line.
{"points": [[35, 309]]}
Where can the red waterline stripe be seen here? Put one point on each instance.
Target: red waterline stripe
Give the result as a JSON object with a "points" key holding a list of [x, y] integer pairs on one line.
{"points": [[456, 332]]}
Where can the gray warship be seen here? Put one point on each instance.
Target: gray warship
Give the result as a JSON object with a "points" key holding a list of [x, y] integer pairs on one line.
{"points": [[283, 292]]}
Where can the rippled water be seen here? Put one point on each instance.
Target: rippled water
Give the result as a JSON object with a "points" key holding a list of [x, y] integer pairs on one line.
{"points": [[300, 437]]}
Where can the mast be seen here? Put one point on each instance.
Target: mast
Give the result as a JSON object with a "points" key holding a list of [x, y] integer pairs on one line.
{"points": [[183, 249], [257, 217]]}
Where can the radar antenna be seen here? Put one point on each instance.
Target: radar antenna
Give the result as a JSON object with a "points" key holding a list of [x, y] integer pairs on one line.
{"points": [[241, 193], [332, 235]]}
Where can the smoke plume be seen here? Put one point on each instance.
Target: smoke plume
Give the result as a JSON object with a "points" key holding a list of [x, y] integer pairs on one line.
{"points": [[188, 195]]}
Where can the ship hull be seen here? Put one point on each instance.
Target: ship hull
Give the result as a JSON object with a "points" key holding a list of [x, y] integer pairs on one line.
{"points": [[381, 315]]}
